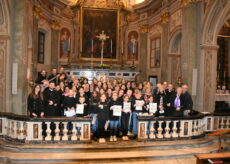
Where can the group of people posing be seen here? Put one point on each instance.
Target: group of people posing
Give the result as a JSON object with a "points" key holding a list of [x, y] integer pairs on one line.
{"points": [[113, 105]]}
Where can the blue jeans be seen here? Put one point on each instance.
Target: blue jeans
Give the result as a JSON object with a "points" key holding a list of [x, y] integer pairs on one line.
{"points": [[135, 122], [95, 125], [113, 127]]}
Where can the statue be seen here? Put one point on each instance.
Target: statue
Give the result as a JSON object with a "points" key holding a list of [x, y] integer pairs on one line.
{"points": [[65, 42]]}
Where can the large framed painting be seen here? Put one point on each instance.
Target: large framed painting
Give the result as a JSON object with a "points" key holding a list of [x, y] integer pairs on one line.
{"points": [[94, 23]]}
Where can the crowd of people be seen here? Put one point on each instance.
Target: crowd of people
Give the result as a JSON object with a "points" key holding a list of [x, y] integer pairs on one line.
{"points": [[112, 104]]}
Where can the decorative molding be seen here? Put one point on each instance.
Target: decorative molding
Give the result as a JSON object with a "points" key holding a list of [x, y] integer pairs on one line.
{"points": [[144, 28], [37, 11], [186, 2], [55, 25], [165, 17]]}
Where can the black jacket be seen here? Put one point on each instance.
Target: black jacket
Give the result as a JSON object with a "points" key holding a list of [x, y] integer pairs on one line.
{"points": [[35, 105], [103, 113]]}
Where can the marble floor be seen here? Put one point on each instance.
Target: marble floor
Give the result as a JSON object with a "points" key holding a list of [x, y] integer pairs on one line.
{"points": [[124, 152]]}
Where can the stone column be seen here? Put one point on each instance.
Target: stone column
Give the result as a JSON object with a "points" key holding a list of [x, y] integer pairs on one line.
{"points": [[205, 100], [19, 56], [164, 48], [54, 48], [191, 30], [143, 53]]}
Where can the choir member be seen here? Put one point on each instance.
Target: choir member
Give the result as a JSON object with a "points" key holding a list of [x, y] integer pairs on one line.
{"points": [[93, 102], [54, 76], [103, 116], [35, 102], [137, 107], [178, 103], [170, 93], [51, 101], [161, 101], [81, 93], [42, 77], [125, 116], [114, 115], [188, 99], [69, 104], [82, 108]]}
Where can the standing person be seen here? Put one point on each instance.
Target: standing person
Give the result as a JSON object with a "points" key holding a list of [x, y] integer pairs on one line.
{"points": [[42, 77], [188, 100], [35, 102], [161, 101], [170, 93], [54, 76], [51, 101], [103, 116], [125, 117], [137, 107], [82, 108], [114, 116], [178, 103], [69, 104], [93, 102]]}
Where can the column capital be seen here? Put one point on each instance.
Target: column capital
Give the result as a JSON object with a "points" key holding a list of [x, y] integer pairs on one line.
{"points": [[165, 17], [37, 11], [144, 28], [55, 24], [186, 2], [209, 46]]}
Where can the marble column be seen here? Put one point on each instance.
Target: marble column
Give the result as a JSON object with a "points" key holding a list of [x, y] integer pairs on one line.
{"points": [[19, 56], [35, 48], [54, 48], [191, 30], [143, 56], [164, 43], [205, 100]]}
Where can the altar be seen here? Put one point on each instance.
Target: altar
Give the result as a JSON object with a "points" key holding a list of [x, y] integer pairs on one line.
{"points": [[128, 75]]}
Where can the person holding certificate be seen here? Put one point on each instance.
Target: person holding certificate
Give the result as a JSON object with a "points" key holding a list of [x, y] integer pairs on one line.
{"points": [[103, 115], [125, 116], [151, 106], [114, 115], [81, 107], [137, 107], [69, 104]]}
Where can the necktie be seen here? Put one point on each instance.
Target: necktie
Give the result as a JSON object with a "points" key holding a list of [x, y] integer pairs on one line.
{"points": [[177, 102]]}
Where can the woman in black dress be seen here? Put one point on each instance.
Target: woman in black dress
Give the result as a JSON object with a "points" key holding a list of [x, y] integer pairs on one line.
{"points": [[35, 102]]}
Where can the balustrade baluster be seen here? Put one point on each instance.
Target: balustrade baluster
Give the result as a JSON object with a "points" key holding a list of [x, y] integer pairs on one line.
{"points": [[167, 129], [65, 131], [228, 123], [152, 134], [57, 136], [195, 128], [48, 132], [175, 133], [74, 132], [222, 122], [159, 130]]}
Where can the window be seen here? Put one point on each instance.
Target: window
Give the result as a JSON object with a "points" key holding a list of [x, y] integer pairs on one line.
{"points": [[41, 47], [155, 53]]}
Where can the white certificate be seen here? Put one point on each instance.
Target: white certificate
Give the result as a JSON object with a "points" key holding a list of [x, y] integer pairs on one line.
{"points": [[139, 104], [70, 113], [152, 107], [116, 110], [127, 107], [80, 109]]}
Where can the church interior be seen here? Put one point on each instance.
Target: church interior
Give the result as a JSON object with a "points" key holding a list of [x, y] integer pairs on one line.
{"points": [[115, 81]]}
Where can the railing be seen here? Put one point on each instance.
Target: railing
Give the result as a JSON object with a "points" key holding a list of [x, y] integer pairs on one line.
{"points": [[62, 129], [168, 128], [25, 129]]}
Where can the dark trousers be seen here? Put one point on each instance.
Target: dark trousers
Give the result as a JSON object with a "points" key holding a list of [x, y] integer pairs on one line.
{"points": [[125, 123], [101, 128]]}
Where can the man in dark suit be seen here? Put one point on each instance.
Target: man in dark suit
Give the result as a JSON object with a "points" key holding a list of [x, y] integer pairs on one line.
{"points": [[188, 100], [170, 93], [178, 103]]}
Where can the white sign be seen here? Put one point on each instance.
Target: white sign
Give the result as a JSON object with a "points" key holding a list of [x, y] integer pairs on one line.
{"points": [[139, 104], [152, 107], [70, 113], [80, 109], [127, 107], [116, 110]]}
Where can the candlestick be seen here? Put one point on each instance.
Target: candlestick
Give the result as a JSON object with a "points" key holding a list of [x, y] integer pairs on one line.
{"points": [[111, 46], [92, 45]]}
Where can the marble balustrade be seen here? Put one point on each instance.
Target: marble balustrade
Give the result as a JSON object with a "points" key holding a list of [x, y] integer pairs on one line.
{"points": [[27, 129], [168, 128]]}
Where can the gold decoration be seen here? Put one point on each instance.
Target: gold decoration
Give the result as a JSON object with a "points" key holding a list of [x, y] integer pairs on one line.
{"points": [[37, 11], [186, 2], [165, 17], [144, 28], [55, 25]]}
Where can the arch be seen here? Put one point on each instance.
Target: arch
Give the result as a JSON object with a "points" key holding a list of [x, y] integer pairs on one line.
{"points": [[214, 20], [175, 43]]}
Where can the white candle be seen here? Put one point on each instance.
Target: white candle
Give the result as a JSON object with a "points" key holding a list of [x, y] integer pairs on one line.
{"points": [[92, 45], [133, 48], [111, 46]]}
